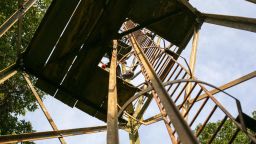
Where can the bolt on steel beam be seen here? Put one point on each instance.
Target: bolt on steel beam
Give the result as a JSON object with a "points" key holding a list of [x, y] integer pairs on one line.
{"points": [[112, 126], [42, 106], [183, 130]]}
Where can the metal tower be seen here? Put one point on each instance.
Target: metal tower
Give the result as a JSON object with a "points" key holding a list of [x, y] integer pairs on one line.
{"points": [[142, 40]]}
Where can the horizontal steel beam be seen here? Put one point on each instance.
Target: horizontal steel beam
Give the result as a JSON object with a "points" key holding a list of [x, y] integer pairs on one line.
{"points": [[153, 119], [189, 6], [51, 134], [228, 85], [243, 23], [252, 1], [15, 17], [149, 22]]}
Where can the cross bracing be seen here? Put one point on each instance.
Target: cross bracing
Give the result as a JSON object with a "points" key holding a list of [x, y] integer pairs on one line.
{"points": [[153, 34]]}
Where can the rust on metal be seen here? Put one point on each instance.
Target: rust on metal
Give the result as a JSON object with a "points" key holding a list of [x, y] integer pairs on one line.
{"points": [[50, 134], [42, 106], [236, 22], [112, 122], [67, 65], [180, 125], [229, 85]]}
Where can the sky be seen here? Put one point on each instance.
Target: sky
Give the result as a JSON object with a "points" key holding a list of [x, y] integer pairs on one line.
{"points": [[223, 54]]}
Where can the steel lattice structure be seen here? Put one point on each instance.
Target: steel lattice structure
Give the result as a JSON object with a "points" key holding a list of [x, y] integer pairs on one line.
{"points": [[151, 35]]}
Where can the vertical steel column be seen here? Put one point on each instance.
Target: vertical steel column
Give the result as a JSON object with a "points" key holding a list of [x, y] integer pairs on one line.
{"points": [[112, 127], [19, 30], [41, 104], [192, 63], [134, 137], [193, 55], [134, 126], [133, 134], [19, 13], [183, 130]]}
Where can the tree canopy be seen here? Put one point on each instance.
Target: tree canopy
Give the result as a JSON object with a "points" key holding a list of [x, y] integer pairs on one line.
{"points": [[225, 134], [15, 97]]}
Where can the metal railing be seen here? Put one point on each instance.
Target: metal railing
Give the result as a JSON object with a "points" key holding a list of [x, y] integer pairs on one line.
{"points": [[173, 75]]}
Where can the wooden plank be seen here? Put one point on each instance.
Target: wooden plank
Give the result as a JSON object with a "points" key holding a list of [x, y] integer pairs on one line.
{"points": [[91, 94], [93, 24], [48, 33], [174, 28]]}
